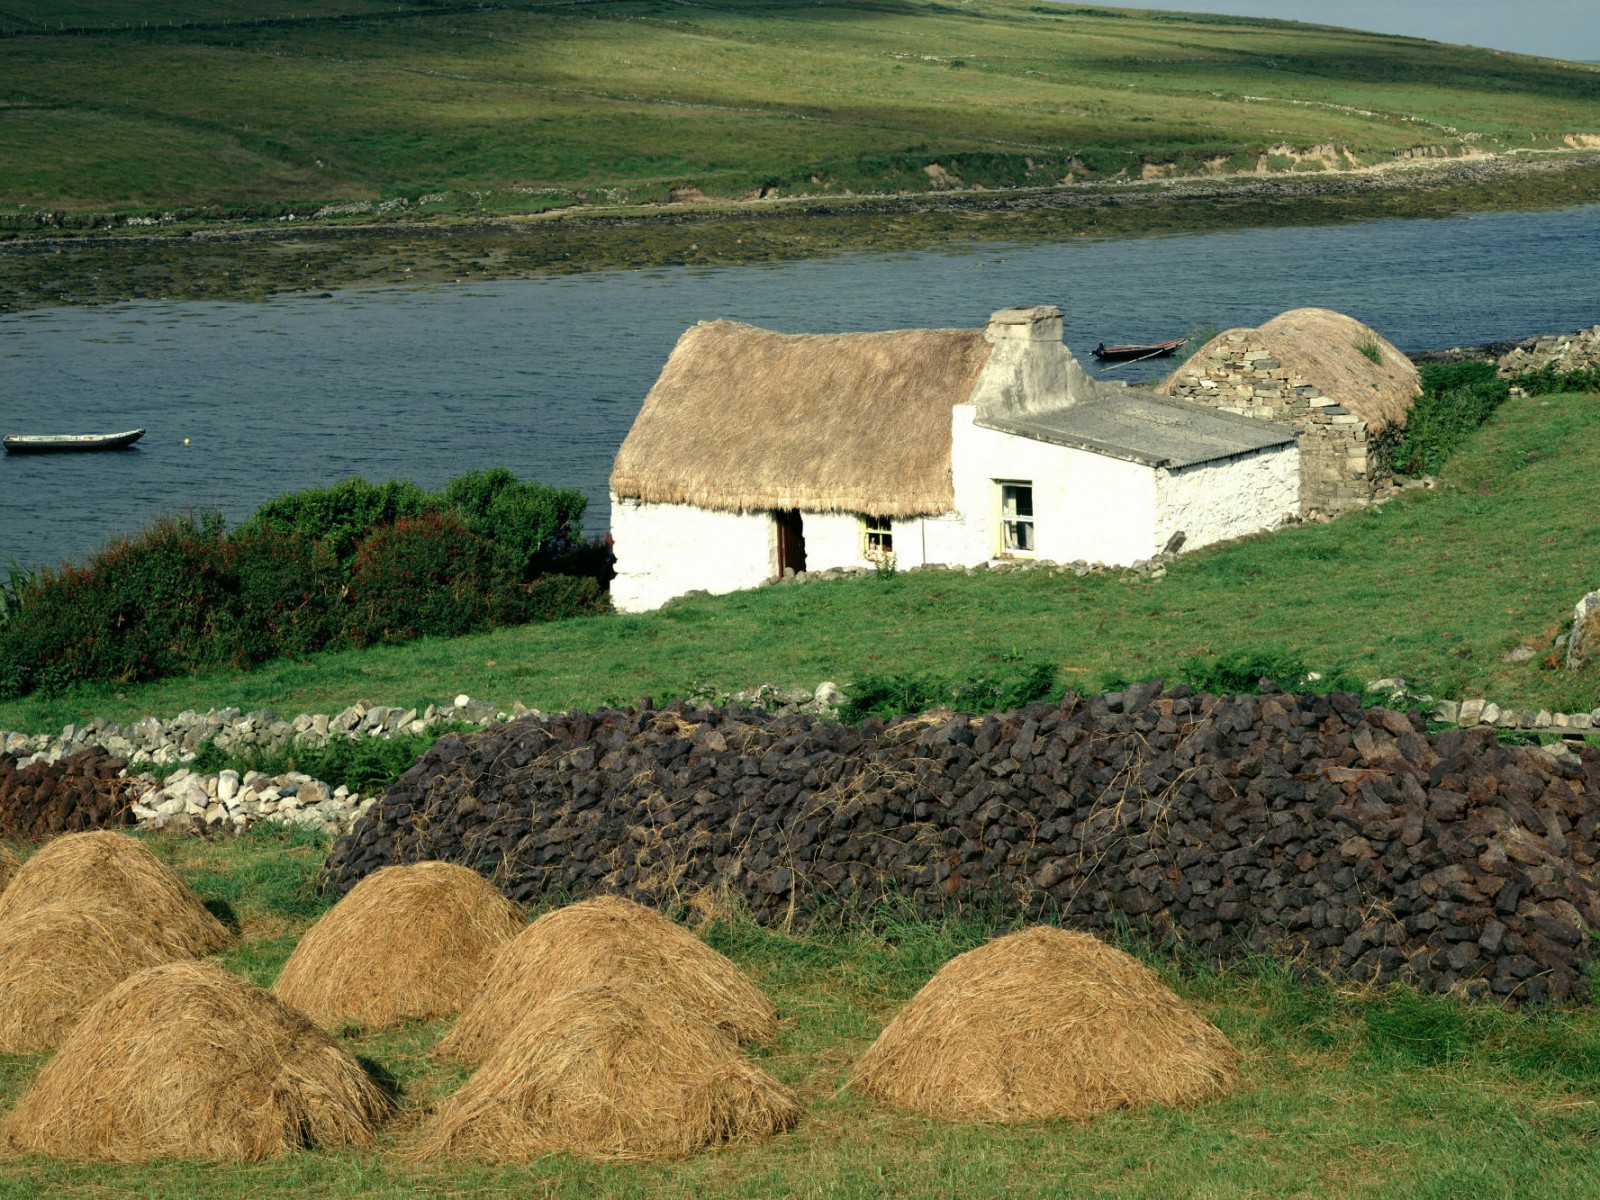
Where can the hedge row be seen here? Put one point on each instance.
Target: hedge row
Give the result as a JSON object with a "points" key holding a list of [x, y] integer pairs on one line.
{"points": [[344, 566]]}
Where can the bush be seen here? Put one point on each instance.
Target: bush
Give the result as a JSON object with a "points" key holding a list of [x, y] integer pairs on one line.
{"points": [[1456, 399], [137, 610], [533, 525], [1546, 382], [897, 695], [284, 596], [428, 576], [556, 597], [343, 513]]}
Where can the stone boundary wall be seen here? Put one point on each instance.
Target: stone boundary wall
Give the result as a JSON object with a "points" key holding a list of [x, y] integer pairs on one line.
{"points": [[1344, 840], [1339, 468]]}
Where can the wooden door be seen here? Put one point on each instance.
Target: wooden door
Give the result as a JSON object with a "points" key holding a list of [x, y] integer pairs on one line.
{"points": [[791, 541]]}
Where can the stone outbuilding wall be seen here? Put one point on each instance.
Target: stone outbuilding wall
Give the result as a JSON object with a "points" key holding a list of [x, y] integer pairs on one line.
{"points": [[1310, 368]]}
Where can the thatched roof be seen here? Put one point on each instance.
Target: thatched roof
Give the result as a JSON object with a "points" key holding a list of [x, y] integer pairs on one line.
{"points": [[1321, 345], [743, 418]]}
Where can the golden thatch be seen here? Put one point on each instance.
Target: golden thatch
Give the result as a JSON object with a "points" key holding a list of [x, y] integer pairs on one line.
{"points": [[116, 873], [607, 940], [1321, 345], [743, 418], [610, 1073], [58, 959], [407, 943], [1044, 1023], [187, 1061], [9, 863]]}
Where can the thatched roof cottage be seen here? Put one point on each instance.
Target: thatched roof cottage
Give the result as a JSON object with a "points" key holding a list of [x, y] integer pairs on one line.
{"points": [[757, 453], [1342, 385]]}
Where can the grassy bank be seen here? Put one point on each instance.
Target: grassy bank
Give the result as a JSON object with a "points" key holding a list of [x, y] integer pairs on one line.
{"points": [[1437, 587], [1341, 1095], [263, 110]]}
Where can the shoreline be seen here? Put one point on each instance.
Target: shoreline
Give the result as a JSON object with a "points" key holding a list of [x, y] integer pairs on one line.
{"points": [[263, 259]]}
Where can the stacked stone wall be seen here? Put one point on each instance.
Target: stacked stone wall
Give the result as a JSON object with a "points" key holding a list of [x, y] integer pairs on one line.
{"points": [[1345, 840], [1340, 467]]}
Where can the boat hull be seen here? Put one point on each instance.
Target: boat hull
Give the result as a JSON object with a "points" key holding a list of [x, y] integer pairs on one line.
{"points": [[68, 443], [1126, 353]]}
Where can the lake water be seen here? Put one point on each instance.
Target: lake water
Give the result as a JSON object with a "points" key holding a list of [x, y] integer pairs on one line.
{"points": [[247, 401]]}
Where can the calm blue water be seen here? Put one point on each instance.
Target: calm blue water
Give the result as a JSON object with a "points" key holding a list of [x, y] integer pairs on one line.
{"points": [[544, 376]]}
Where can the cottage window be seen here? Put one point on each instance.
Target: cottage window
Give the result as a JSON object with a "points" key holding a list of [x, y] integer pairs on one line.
{"points": [[1016, 518], [877, 538]]}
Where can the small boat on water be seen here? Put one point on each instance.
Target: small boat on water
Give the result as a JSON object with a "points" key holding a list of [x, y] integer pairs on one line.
{"points": [[55, 443], [1107, 353]]}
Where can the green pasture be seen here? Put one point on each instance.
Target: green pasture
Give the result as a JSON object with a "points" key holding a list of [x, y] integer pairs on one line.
{"points": [[519, 106], [1385, 1094], [1436, 587]]}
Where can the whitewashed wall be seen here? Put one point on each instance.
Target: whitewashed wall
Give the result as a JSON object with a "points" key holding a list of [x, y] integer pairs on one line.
{"points": [[665, 550], [1086, 506], [1228, 498]]}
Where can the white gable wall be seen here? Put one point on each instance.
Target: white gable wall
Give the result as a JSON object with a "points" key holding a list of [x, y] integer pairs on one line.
{"points": [[1229, 497], [665, 550]]}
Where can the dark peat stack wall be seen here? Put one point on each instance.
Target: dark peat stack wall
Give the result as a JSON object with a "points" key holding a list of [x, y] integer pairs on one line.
{"points": [[1344, 840], [77, 793]]}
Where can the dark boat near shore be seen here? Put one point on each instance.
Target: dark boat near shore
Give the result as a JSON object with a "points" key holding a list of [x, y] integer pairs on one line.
{"points": [[56, 443], [1107, 353]]}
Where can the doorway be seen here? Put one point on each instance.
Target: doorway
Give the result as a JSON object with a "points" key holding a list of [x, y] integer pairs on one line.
{"points": [[791, 541]]}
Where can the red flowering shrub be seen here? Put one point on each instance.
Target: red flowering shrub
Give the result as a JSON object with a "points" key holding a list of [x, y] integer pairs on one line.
{"points": [[428, 576]]}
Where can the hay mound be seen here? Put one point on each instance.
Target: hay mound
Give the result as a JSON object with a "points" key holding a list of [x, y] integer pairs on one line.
{"points": [[57, 960], [407, 942], [608, 940], [610, 1073], [116, 873], [1044, 1023], [9, 863], [187, 1061]]}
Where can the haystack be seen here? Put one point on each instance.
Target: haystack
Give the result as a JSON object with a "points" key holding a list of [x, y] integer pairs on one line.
{"points": [[1044, 1023], [187, 1061], [607, 940], [118, 874], [409, 942], [610, 1073], [9, 863], [57, 960]]}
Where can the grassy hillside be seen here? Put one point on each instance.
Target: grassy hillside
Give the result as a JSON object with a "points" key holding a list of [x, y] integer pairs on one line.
{"points": [[1435, 587], [1375, 1095], [522, 106]]}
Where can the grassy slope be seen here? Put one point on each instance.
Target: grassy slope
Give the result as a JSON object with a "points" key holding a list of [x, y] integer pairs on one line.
{"points": [[638, 94], [1341, 1096], [1436, 587]]}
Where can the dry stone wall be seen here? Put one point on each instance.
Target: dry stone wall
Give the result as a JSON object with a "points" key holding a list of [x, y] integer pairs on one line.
{"points": [[1339, 468], [1346, 840], [1561, 353]]}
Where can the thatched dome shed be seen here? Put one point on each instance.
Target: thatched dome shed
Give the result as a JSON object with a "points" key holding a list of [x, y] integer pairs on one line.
{"points": [[1345, 387]]}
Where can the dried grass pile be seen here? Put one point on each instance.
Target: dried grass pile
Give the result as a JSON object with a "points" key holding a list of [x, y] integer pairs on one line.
{"points": [[610, 1073], [115, 873], [1044, 1023], [187, 1061], [608, 940], [406, 943], [9, 863], [57, 960]]}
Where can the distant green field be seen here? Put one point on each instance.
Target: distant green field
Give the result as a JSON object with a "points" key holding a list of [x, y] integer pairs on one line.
{"points": [[519, 106]]}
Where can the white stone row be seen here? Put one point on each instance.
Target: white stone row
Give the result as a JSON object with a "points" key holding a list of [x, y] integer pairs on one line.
{"points": [[237, 802], [156, 742]]}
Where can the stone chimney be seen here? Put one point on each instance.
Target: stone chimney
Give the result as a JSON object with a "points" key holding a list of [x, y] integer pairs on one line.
{"points": [[1030, 370], [1025, 323]]}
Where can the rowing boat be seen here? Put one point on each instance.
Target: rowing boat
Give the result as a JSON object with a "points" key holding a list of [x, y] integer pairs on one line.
{"points": [[1107, 353], [52, 443]]}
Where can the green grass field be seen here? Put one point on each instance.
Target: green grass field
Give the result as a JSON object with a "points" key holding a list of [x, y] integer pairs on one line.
{"points": [[522, 106], [1370, 1095], [1436, 587]]}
